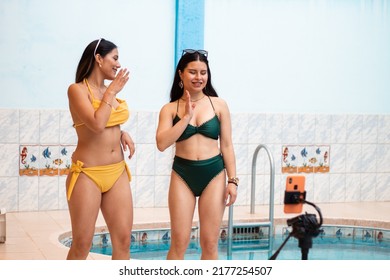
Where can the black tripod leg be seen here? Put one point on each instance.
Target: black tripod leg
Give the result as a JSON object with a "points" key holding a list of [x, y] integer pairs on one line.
{"points": [[305, 253], [275, 255]]}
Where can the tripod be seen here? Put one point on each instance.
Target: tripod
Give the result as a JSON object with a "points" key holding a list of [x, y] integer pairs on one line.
{"points": [[304, 228]]}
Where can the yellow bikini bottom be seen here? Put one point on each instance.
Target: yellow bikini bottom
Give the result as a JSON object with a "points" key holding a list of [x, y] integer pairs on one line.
{"points": [[103, 176]]}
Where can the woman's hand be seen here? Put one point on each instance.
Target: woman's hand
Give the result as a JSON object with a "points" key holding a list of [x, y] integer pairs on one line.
{"points": [[189, 109], [127, 143], [230, 194], [119, 82]]}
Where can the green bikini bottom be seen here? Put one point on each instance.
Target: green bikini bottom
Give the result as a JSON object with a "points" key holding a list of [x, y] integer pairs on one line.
{"points": [[197, 174]]}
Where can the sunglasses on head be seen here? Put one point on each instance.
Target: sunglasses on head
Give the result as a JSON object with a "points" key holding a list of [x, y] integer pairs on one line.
{"points": [[191, 51]]}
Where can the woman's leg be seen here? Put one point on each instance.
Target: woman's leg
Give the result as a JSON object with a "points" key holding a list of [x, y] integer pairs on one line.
{"points": [[117, 210], [181, 210], [211, 208], [83, 207]]}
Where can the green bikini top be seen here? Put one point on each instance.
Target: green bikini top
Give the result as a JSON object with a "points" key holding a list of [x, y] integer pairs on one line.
{"points": [[210, 128]]}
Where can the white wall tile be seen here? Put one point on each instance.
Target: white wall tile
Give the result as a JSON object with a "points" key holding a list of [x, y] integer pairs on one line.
{"points": [[290, 129], [353, 158], [161, 191], [164, 162], [359, 148], [48, 193], [146, 159], [243, 191], [259, 183], [49, 126], [321, 188], [382, 192], [146, 127], [383, 129], [353, 187], [9, 125], [337, 187], [9, 160], [257, 132], [28, 193], [67, 131], [240, 128], [323, 129], [370, 129], [383, 158], [354, 129], [279, 186], [338, 159], [368, 186], [144, 191], [273, 128], [9, 193], [62, 198], [306, 128], [131, 126], [29, 126], [369, 158], [338, 129], [310, 186], [241, 151]]}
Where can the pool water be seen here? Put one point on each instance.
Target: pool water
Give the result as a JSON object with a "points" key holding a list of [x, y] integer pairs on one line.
{"points": [[324, 249], [335, 243]]}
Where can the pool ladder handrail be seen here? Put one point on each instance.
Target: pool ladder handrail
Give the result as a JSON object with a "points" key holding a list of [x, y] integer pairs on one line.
{"points": [[270, 223]]}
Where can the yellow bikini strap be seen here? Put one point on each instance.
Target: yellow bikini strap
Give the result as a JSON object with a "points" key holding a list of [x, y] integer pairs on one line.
{"points": [[89, 88]]}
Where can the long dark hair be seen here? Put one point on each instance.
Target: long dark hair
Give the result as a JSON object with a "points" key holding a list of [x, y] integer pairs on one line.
{"points": [[87, 60], [176, 90]]}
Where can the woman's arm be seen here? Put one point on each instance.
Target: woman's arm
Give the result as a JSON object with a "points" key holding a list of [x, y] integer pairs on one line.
{"points": [[167, 134], [228, 154], [80, 105], [127, 143]]}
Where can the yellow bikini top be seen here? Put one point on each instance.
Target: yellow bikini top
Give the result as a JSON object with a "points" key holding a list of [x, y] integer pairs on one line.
{"points": [[118, 115]]}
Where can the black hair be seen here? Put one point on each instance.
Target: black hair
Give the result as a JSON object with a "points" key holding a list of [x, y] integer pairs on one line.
{"points": [[176, 90], [87, 60]]}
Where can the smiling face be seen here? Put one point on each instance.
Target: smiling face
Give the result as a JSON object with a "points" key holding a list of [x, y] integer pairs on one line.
{"points": [[194, 76], [110, 64]]}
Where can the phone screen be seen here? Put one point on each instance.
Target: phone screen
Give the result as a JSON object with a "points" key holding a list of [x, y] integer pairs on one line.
{"points": [[295, 189]]}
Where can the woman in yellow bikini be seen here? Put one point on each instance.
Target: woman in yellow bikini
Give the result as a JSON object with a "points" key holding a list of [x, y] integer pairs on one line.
{"points": [[99, 177]]}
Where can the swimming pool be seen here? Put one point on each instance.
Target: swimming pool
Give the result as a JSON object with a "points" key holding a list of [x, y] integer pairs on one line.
{"points": [[335, 242]]}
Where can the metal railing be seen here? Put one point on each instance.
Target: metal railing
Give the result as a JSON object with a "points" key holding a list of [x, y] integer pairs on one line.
{"points": [[270, 222]]}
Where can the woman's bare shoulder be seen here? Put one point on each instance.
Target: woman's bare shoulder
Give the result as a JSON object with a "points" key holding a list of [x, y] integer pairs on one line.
{"points": [[77, 89], [169, 107], [219, 102], [73, 88]]}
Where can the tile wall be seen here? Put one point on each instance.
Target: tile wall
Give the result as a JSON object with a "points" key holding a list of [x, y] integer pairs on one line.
{"points": [[358, 157]]}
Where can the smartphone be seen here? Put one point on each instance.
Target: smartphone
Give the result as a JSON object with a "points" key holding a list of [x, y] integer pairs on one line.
{"points": [[294, 194]]}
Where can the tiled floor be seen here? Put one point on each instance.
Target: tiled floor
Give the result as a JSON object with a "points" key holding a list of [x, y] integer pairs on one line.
{"points": [[34, 235]]}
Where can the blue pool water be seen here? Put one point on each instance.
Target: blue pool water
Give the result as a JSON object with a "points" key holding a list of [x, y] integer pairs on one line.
{"points": [[334, 243]]}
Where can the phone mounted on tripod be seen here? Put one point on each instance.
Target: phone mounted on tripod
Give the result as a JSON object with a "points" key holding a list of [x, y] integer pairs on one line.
{"points": [[304, 227]]}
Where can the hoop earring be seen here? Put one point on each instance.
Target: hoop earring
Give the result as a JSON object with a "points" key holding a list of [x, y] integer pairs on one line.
{"points": [[181, 84]]}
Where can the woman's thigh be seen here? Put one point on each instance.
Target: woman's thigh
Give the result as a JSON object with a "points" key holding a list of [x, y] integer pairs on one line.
{"points": [[84, 205], [211, 208], [117, 206], [181, 203]]}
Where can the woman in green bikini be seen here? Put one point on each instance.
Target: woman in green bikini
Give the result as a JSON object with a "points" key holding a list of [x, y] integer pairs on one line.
{"points": [[99, 177], [198, 122]]}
